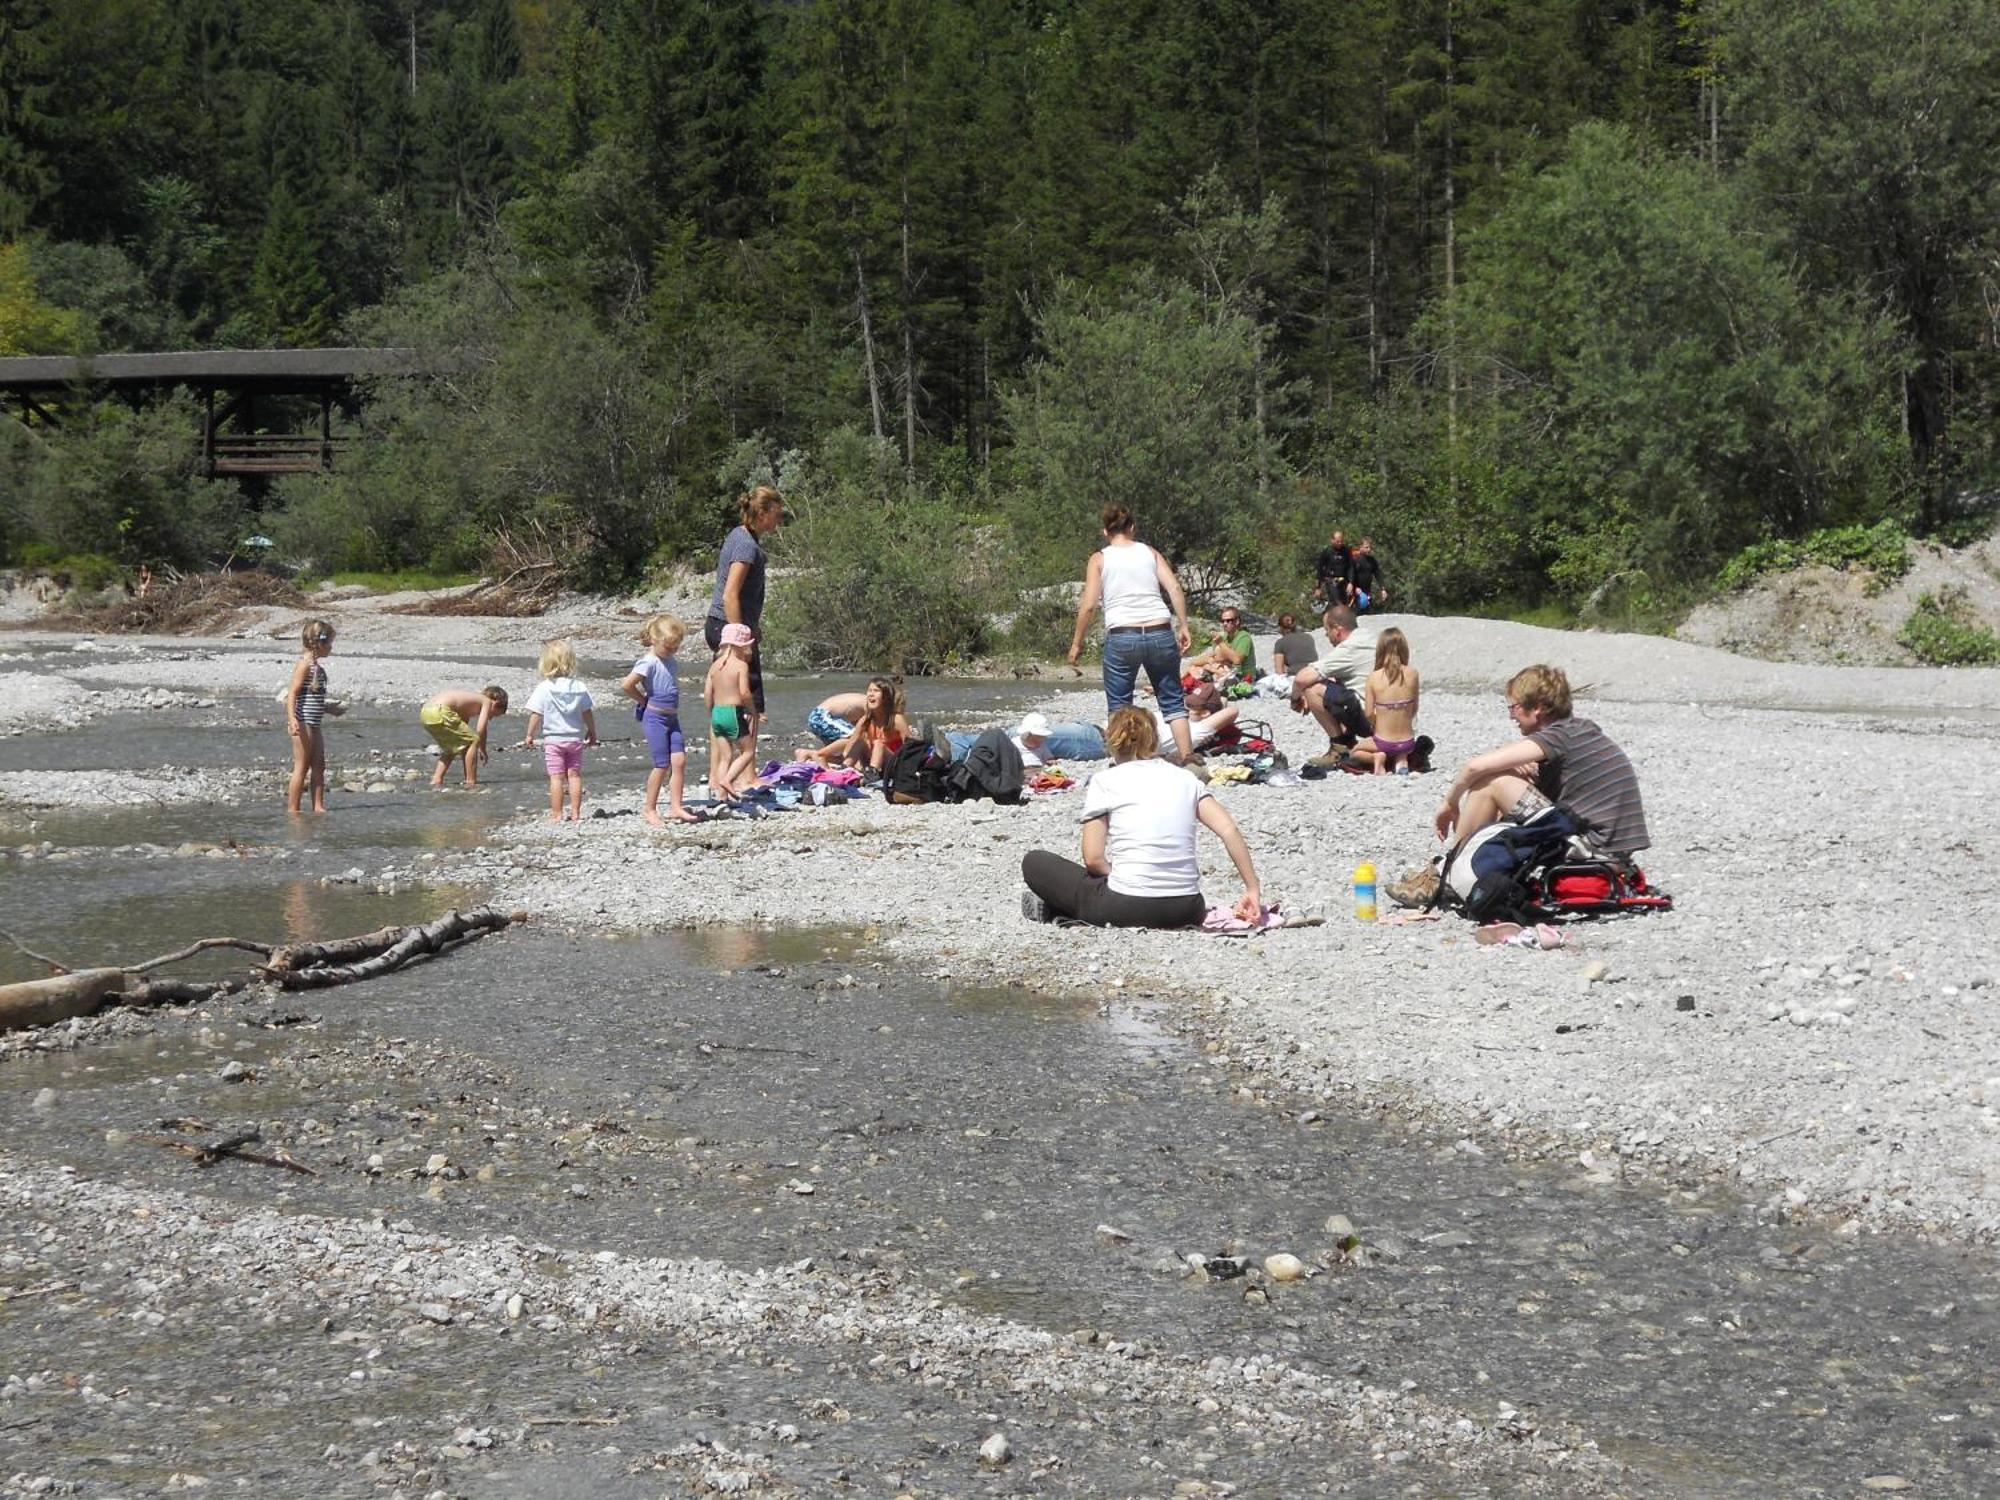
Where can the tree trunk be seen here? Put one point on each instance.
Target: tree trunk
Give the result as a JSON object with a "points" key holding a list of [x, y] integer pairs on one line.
{"points": [[868, 346], [1450, 248], [44, 1002]]}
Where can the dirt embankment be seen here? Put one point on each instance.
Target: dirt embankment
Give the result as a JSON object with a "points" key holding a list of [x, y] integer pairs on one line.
{"points": [[1841, 617]]}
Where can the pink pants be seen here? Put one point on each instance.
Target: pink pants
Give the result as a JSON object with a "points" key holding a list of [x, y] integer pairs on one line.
{"points": [[562, 757]]}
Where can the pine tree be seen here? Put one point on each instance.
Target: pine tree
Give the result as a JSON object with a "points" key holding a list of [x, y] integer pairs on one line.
{"points": [[288, 290]]}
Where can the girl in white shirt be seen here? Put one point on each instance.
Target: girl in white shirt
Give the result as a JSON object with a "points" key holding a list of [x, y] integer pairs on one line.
{"points": [[1139, 865]]}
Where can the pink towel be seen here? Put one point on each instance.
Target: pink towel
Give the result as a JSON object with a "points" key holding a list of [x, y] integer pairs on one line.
{"points": [[844, 776], [1224, 919]]}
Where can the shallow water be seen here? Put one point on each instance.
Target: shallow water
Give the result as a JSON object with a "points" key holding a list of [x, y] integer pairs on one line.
{"points": [[985, 1134]]}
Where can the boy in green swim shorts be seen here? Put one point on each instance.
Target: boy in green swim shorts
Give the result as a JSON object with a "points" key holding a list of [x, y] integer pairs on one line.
{"points": [[456, 719], [732, 744]]}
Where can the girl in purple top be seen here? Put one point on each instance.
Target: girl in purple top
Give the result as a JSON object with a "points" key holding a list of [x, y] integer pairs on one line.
{"points": [[654, 684]]}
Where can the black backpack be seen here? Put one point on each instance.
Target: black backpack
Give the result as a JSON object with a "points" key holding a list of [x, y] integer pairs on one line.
{"points": [[914, 774]]}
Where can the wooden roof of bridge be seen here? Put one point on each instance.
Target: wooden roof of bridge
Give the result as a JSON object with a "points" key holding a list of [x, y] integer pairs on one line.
{"points": [[231, 368]]}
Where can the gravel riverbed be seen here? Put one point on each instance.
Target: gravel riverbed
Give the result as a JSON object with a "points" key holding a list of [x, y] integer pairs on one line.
{"points": [[1820, 1015], [1815, 1021]]}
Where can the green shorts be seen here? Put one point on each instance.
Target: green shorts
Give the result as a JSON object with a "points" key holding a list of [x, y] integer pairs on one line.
{"points": [[727, 722], [448, 729]]}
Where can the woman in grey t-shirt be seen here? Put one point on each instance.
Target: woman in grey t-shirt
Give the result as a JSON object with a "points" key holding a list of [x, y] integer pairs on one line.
{"points": [[739, 584]]}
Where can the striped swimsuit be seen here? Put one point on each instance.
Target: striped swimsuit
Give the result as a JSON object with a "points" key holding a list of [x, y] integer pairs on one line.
{"points": [[312, 695]]}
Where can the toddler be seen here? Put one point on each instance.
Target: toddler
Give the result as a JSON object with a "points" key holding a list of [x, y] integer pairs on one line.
{"points": [[727, 689], [305, 706], [561, 708], [654, 684], [444, 719]]}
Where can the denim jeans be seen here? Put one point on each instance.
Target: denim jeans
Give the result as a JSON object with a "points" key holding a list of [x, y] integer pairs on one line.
{"points": [[1126, 651], [1070, 740], [1067, 741]]}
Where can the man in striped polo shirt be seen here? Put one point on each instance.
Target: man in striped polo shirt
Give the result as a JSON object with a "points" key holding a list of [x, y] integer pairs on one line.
{"points": [[1559, 759]]}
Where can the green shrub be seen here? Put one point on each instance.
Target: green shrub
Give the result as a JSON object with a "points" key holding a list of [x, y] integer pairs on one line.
{"points": [[121, 484], [882, 574], [1041, 626], [1881, 550], [1942, 632], [84, 572]]}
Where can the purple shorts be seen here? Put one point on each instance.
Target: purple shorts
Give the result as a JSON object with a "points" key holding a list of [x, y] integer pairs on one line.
{"points": [[664, 738], [562, 757]]}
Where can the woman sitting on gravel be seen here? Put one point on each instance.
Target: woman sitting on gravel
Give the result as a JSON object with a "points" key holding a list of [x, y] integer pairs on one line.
{"points": [[1139, 866], [877, 735]]}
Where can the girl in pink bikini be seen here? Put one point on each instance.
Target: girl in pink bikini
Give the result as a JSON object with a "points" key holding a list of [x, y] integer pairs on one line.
{"points": [[1391, 703]]}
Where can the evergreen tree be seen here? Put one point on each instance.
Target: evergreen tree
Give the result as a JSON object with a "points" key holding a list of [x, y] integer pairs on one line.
{"points": [[288, 290]]}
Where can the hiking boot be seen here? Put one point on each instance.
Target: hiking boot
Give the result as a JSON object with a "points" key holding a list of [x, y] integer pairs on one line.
{"points": [[1329, 761], [1414, 889], [1034, 908], [934, 735]]}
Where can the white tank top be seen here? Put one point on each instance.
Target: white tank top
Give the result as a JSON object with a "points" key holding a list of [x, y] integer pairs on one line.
{"points": [[1132, 587]]}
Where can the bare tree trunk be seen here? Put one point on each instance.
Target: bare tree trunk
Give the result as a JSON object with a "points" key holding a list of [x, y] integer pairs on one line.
{"points": [[1450, 252], [909, 290], [909, 345], [868, 345]]}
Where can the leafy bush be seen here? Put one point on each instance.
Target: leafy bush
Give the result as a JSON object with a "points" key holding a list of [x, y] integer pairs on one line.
{"points": [[121, 484], [1147, 399], [1882, 550], [1942, 632], [1669, 381], [886, 576], [85, 572]]}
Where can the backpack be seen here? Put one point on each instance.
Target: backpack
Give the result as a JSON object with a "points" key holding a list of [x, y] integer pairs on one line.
{"points": [[914, 774], [1539, 871], [991, 767]]}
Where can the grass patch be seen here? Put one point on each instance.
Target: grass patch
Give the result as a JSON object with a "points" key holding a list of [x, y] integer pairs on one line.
{"points": [[1942, 632], [1882, 551], [407, 578], [1547, 613]]}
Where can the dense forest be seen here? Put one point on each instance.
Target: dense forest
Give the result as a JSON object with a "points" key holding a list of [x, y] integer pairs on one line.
{"points": [[1563, 301]]}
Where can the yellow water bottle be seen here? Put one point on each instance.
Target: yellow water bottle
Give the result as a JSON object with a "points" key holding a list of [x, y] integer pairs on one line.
{"points": [[1364, 891]]}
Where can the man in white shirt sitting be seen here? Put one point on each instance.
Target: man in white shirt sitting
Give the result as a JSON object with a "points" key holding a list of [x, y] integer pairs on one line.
{"points": [[1331, 688]]}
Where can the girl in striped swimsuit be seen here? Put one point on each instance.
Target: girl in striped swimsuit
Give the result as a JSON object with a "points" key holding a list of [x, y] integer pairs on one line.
{"points": [[305, 706]]}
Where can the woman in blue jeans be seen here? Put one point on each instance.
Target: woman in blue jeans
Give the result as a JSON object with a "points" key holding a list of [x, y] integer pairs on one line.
{"points": [[1145, 622]]}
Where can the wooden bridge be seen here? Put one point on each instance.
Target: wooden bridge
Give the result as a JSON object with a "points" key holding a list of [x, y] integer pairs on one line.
{"points": [[231, 383]]}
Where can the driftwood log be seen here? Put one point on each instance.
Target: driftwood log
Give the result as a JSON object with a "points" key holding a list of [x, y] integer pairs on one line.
{"points": [[297, 966]]}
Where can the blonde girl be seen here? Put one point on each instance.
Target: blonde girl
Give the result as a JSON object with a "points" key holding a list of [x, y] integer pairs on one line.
{"points": [[654, 685], [305, 706], [561, 711], [1390, 702]]}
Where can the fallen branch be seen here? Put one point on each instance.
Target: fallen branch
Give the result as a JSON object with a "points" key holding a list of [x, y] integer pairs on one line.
{"points": [[55, 966], [38, 1291], [203, 945], [45, 1002], [300, 966], [448, 931], [338, 951], [208, 1153]]}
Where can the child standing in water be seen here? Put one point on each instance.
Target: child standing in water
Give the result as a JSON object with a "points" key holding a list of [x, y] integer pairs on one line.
{"points": [[654, 683], [1391, 705], [560, 707], [305, 706], [727, 689], [444, 719]]}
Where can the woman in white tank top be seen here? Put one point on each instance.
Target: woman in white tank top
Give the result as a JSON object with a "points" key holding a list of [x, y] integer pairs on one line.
{"points": [[1145, 622]]}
